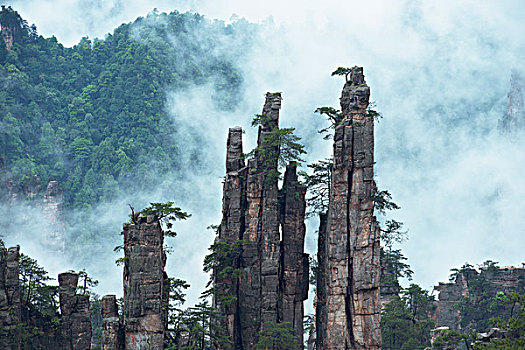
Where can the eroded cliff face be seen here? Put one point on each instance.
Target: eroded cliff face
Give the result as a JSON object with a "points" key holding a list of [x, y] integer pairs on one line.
{"points": [[145, 293], [274, 279], [75, 314], [494, 280], [10, 309], [351, 251]]}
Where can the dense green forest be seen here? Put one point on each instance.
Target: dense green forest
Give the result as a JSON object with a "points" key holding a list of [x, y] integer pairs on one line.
{"points": [[93, 116]]}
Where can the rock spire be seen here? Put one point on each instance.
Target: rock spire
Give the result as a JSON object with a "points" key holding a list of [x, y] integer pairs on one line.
{"points": [[350, 251]]}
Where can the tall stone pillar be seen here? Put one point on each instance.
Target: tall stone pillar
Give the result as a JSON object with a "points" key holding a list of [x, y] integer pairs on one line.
{"points": [[259, 285], [76, 317], [294, 279], [111, 330], [231, 230], [269, 215], [352, 248], [10, 311], [144, 284]]}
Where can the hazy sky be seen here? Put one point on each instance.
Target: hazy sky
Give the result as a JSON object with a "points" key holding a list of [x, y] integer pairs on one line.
{"points": [[439, 72]]}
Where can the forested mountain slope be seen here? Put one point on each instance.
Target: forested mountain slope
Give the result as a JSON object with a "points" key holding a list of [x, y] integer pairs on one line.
{"points": [[93, 116]]}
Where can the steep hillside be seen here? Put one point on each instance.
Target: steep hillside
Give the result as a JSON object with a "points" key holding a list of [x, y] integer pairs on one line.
{"points": [[93, 117]]}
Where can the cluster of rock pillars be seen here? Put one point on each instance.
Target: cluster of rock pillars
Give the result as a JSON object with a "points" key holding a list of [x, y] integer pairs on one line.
{"points": [[275, 273]]}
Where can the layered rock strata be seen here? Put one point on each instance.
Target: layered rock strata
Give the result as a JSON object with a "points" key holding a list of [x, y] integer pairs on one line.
{"points": [[75, 313], [274, 279], [145, 280], [10, 309], [351, 251], [111, 329]]}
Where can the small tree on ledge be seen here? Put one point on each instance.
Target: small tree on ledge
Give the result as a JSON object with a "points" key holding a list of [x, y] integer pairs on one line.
{"points": [[166, 213], [342, 71]]}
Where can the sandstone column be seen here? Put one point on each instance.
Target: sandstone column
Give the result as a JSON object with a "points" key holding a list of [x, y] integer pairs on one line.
{"points": [[76, 317], [144, 284], [352, 243], [294, 280], [258, 290], [269, 215], [110, 323], [231, 230]]}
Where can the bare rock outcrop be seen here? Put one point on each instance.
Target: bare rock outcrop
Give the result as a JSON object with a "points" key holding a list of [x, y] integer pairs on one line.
{"points": [[75, 313], [351, 250], [145, 293], [494, 280]]}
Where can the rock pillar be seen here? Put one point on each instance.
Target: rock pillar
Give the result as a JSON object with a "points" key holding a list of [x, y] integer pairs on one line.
{"points": [[274, 279], [259, 286], [294, 279], [268, 219], [352, 248], [231, 230], [111, 331], [76, 317], [144, 284]]}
